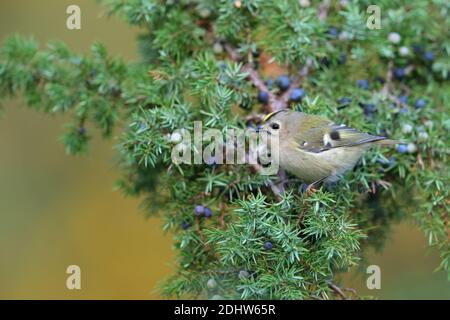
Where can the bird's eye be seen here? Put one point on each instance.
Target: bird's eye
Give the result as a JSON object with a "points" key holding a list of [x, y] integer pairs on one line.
{"points": [[275, 126]]}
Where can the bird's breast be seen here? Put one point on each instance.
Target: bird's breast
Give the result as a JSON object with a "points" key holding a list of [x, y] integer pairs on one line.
{"points": [[311, 167]]}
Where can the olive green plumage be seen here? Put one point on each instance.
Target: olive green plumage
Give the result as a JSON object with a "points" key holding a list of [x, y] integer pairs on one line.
{"points": [[316, 149]]}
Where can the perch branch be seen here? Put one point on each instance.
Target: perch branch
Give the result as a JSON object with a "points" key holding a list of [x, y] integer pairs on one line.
{"points": [[324, 6], [337, 290]]}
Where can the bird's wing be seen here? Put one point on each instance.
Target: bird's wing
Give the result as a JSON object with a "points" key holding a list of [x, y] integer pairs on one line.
{"points": [[327, 135]]}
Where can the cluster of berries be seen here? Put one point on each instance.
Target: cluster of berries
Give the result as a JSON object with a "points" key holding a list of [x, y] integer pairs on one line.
{"points": [[283, 83], [199, 211], [202, 211]]}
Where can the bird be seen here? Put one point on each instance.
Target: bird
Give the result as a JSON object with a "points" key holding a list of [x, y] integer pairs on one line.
{"points": [[314, 148]]}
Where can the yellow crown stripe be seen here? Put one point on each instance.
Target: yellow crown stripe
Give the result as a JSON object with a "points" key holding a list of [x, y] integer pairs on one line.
{"points": [[270, 115]]}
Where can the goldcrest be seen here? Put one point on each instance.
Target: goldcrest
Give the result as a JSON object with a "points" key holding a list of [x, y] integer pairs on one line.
{"points": [[314, 148]]}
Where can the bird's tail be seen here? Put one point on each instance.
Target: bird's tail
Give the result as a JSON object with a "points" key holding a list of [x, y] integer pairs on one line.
{"points": [[387, 142]]}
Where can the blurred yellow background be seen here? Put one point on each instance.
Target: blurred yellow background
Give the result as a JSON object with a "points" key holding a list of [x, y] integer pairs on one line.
{"points": [[57, 210]]}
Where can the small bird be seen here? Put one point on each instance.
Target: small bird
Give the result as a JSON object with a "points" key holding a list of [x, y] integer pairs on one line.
{"points": [[314, 148]]}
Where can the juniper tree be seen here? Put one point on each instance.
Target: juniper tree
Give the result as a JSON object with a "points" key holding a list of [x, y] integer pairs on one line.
{"points": [[240, 234]]}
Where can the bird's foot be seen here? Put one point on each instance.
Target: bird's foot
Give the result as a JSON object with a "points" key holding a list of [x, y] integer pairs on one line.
{"points": [[310, 190]]}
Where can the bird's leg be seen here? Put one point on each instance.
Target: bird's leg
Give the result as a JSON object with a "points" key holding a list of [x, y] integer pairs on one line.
{"points": [[312, 187]]}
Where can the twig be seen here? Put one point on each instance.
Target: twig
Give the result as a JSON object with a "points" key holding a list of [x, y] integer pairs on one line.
{"points": [[387, 84], [386, 90], [420, 161], [385, 184], [232, 53], [302, 214], [445, 216], [201, 234], [222, 215], [323, 9], [305, 209], [352, 291], [275, 189], [373, 187], [282, 176], [255, 117], [275, 103], [277, 192], [337, 290], [254, 77], [283, 100]]}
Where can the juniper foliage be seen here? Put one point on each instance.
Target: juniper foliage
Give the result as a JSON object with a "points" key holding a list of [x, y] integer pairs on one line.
{"points": [[202, 59]]}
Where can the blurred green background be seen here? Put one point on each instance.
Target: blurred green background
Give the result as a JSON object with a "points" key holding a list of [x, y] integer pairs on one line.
{"points": [[57, 210]]}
